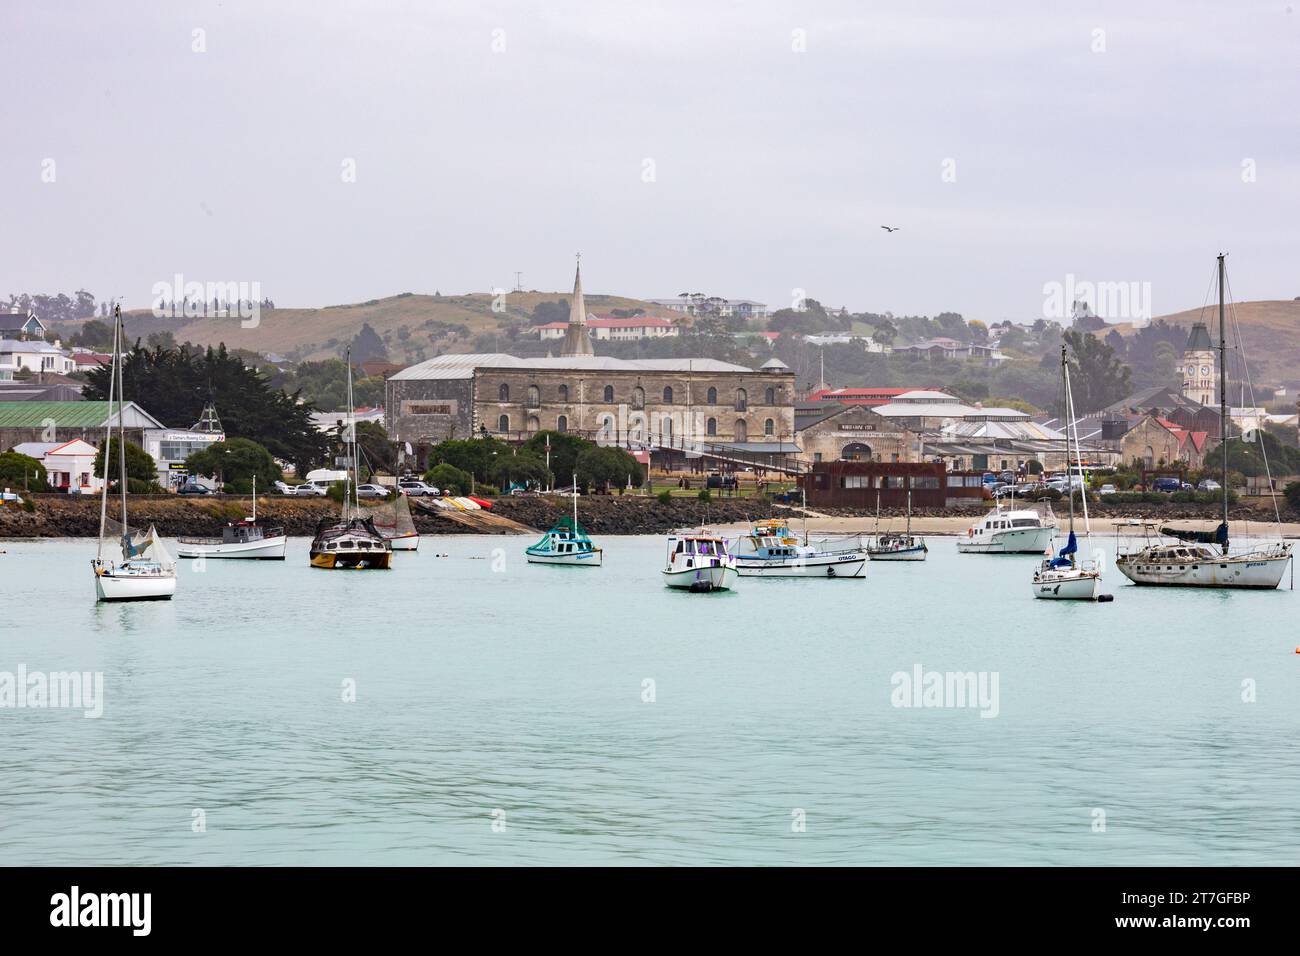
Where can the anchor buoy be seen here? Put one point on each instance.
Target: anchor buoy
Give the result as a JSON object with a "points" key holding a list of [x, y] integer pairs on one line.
{"points": [[830, 572]]}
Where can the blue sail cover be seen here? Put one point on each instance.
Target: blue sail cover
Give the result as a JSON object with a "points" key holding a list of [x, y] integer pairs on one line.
{"points": [[1071, 546]]}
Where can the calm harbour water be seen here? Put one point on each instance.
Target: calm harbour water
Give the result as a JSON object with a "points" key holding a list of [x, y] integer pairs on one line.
{"points": [[483, 687]]}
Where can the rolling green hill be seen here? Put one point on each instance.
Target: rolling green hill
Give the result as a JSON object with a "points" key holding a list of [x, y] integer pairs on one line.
{"points": [[413, 327]]}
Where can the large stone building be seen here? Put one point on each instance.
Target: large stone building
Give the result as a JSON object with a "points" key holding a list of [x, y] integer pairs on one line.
{"points": [[851, 433], [666, 403]]}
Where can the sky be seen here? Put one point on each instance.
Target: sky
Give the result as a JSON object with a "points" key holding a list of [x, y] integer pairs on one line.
{"points": [[337, 152]]}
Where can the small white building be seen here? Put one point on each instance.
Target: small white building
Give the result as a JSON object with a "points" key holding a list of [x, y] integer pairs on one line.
{"points": [[69, 465], [609, 329], [169, 448], [34, 356]]}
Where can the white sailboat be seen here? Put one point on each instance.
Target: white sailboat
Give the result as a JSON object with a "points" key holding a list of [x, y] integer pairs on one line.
{"points": [[1203, 559], [146, 571], [1063, 577]]}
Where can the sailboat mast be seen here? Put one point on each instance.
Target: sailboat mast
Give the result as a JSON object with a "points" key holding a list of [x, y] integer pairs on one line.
{"points": [[1069, 414], [1223, 404], [351, 500], [121, 426], [575, 504], [909, 516], [255, 498], [1083, 485], [108, 437]]}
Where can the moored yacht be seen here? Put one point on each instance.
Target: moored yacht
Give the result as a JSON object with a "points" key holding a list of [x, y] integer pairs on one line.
{"points": [[247, 538], [1008, 531], [772, 550], [699, 562], [566, 543]]}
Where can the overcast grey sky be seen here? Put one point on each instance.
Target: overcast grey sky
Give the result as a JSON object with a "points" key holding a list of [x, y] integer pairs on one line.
{"points": [[773, 169]]}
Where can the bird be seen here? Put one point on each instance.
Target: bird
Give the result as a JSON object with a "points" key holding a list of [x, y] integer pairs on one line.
{"points": [[891, 228]]}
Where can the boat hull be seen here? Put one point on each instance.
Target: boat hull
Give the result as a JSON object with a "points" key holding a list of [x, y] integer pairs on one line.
{"points": [[852, 565], [352, 560], [720, 577], [1067, 586], [902, 554], [1244, 572], [134, 587], [404, 542], [1012, 541], [267, 549], [579, 559]]}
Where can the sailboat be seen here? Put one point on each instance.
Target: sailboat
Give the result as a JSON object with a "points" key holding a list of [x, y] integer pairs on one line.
{"points": [[897, 547], [566, 543], [394, 521], [1202, 559], [352, 542], [146, 571], [247, 538], [1064, 577]]}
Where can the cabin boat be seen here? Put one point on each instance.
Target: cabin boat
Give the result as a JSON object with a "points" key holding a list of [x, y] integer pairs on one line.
{"points": [[1164, 560], [1203, 559], [771, 550], [565, 544], [1008, 531], [354, 544], [699, 562], [248, 538], [898, 547]]}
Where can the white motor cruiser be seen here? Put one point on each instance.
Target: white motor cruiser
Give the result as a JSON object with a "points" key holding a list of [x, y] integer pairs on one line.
{"points": [[699, 562], [1009, 531]]}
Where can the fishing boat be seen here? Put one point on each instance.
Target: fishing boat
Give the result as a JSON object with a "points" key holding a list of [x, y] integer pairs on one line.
{"points": [[353, 542], [1009, 531], [771, 550], [566, 543], [1204, 559], [146, 571], [897, 547], [1063, 576], [699, 561], [248, 538]]}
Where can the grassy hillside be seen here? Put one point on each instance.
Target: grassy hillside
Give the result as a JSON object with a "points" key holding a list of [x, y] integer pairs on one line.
{"points": [[1270, 331], [413, 327]]}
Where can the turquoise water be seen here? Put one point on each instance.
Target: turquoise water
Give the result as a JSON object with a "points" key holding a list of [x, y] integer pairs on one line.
{"points": [[485, 684]]}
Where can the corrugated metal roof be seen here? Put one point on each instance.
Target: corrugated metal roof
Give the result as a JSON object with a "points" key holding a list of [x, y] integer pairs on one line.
{"points": [[463, 365], [37, 414]]}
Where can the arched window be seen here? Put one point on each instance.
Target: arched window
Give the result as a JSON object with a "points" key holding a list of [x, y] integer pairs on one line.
{"points": [[609, 394], [713, 396], [711, 426], [770, 396], [742, 400], [668, 394], [666, 431], [606, 427], [533, 423], [638, 397], [564, 393], [503, 423], [503, 393], [742, 430], [534, 396], [562, 423], [769, 427]]}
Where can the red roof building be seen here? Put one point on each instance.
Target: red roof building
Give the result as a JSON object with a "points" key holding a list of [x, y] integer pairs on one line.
{"points": [[858, 396]]}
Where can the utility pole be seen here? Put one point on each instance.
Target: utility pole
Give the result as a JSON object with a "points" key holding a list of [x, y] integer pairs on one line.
{"points": [[519, 282]]}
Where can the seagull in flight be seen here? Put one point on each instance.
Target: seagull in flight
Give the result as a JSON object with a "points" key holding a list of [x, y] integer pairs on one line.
{"points": [[891, 228]]}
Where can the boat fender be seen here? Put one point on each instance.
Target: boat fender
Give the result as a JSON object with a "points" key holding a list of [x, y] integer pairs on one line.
{"points": [[970, 532], [1104, 598]]}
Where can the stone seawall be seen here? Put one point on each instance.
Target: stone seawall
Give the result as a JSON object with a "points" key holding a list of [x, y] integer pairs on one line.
{"points": [[62, 516]]}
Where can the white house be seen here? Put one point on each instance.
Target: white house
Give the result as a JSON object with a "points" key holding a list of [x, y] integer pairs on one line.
{"points": [[34, 356], [69, 465], [602, 328]]}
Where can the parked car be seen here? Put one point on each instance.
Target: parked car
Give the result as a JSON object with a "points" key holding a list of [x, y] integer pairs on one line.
{"points": [[372, 491], [283, 487], [1167, 485], [416, 489], [1208, 484], [1008, 476], [1106, 490], [193, 488], [990, 478], [309, 489]]}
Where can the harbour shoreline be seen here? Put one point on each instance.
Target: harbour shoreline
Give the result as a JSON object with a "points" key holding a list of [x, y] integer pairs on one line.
{"points": [[61, 516]]}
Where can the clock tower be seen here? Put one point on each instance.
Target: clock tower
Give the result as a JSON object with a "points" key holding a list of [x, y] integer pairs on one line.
{"points": [[1200, 377]]}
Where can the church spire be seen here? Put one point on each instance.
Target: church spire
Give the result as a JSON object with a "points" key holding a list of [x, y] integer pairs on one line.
{"points": [[576, 339]]}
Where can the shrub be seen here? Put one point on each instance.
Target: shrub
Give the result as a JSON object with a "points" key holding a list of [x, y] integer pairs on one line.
{"points": [[666, 497], [1292, 493], [22, 471], [447, 477], [705, 495]]}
